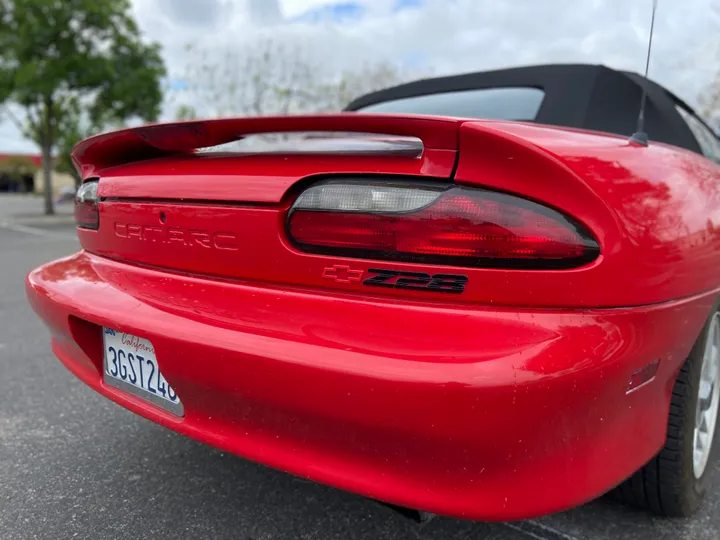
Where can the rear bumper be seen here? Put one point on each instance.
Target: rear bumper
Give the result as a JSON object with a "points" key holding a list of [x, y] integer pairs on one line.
{"points": [[478, 413]]}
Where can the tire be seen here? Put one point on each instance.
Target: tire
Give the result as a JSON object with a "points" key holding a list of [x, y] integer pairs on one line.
{"points": [[669, 484]]}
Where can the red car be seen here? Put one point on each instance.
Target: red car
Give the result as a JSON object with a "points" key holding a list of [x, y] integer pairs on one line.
{"points": [[490, 319]]}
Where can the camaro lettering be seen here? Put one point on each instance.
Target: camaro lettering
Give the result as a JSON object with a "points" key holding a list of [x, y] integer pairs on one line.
{"points": [[177, 236], [442, 283], [201, 238], [134, 231], [223, 240], [150, 232]]}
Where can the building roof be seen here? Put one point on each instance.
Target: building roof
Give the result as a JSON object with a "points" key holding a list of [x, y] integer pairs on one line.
{"points": [[36, 159]]}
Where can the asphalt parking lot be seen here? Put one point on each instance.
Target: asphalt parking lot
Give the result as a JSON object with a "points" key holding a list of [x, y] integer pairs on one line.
{"points": [[73, 465]]}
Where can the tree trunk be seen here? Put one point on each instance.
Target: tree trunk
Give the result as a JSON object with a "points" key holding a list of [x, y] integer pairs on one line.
{"points": [[47, 145], [47, 177]]}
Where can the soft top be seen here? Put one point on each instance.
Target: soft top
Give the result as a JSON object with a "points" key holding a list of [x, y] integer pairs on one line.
{"points": [[584, 96]]}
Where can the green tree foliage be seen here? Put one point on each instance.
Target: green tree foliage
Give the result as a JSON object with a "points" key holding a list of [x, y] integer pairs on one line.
{"points": [[66, 60], [186, 112]]}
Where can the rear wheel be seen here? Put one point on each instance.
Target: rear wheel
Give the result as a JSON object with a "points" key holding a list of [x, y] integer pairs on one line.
{"points": [[676, 480]]}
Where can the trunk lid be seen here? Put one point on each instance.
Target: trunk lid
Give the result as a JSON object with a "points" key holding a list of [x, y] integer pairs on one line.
{"points": [[167, 203]]}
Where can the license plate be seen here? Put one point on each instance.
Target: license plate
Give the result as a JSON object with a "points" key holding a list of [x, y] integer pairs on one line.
{"points": [[131, 365]]}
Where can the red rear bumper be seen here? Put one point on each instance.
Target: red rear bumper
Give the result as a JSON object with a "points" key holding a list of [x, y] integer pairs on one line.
{"points": [[479, 413]]}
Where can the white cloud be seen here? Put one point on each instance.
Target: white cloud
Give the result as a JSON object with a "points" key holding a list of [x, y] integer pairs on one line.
{"points": [[293, 8], [450, 35]]}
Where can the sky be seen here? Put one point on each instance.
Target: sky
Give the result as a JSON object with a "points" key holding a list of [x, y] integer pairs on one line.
{"points": [[440, 36]]}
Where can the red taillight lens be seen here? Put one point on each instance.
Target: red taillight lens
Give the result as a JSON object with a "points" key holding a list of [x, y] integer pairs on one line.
{"points": [[437, 224], [86, 208]]}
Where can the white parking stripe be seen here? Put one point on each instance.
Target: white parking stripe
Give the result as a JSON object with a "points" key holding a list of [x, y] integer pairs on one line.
{"points": [[36, 231], [538, 531]]}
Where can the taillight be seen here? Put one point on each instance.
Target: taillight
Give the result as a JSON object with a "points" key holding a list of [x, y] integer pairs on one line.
{"points": [[86, 207], [435, 223]]}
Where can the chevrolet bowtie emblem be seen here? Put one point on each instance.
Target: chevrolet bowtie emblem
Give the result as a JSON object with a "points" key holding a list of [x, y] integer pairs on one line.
{"points": [[342, 274]]}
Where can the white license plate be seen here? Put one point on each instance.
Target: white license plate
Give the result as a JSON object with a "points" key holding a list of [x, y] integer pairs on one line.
{"points": [[131, 365]]}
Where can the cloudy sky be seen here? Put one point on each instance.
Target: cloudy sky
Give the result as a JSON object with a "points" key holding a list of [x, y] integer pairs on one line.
{"points": [[443, 36]]}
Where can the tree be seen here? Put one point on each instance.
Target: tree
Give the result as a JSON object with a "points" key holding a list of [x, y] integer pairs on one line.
{"points": [[710, 104], [185, 112], [350, 84], [62, 59], [710, 97], [78, 126], [266, 77], [261, 78]]}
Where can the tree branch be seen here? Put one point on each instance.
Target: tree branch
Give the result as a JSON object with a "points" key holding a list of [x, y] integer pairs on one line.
{"points": [[14, 118]]}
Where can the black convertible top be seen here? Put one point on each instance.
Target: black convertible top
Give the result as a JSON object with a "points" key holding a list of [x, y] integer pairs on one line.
{"points": [[582, 96]]}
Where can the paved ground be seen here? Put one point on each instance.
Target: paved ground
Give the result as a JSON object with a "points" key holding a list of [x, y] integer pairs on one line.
{"points": [[73, 465]]}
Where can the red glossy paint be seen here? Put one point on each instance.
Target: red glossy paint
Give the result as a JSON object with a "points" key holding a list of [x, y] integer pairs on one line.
{"points": [[657, 215], [102, 152], [507, 401]]}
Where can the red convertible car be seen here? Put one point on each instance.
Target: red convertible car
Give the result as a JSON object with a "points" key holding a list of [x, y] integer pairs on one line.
{"points": [[487, 303]]}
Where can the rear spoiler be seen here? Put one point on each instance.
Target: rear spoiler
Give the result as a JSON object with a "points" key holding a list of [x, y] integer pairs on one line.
{"points": [[438, 135]]}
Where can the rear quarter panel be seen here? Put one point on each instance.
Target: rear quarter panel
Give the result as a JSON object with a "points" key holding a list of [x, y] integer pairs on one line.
{"points": [[655, 210]]}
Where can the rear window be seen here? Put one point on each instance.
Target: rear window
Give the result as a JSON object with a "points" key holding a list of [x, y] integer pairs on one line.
{"points": [[487, 103], [709, 143]]}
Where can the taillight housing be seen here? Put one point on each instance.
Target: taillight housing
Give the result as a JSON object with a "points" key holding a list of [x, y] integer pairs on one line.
{"points": [[86, 206], [437, 224]]}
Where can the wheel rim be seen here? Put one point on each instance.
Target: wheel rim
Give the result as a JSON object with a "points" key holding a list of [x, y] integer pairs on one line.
{"points": [[708, 399]]}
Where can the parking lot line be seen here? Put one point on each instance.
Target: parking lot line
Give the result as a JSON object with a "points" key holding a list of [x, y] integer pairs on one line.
{"points": [[538, 531], [36, 231]]}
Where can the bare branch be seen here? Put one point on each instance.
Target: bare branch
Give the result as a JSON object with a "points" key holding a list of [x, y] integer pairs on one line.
{"points": [[14, 118], [268, 77]]}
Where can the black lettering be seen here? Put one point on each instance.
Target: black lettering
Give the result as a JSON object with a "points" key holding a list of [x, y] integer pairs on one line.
{"points": [[381, 280], [448, 283], [417, 281], [413, 280]]}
